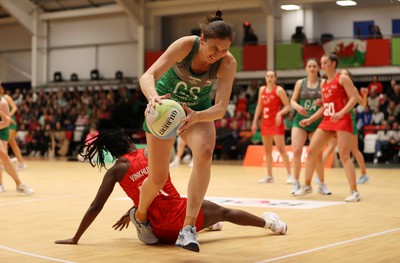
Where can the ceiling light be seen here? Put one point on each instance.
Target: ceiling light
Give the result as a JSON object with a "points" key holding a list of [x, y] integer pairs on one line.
{"points": [[346, 3], [290, 7]]}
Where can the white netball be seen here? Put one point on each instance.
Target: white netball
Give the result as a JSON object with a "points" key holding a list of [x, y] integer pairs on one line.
{"points": [[164, 121]]}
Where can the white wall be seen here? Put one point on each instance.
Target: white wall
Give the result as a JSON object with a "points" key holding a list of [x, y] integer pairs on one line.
{"points": [[328, 21], [108, 43], [15, 55], [290, 20], [342, 27], [323, 21], [176, 27], [14, 37]]}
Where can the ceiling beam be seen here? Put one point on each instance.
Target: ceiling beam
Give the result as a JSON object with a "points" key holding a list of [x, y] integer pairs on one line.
{"points": [[133, 9], [175, 7], [267, 6], [21, 10], [102, 10]]}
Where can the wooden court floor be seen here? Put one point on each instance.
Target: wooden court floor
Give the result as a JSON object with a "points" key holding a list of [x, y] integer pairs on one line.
{"points": [[320, 228]]}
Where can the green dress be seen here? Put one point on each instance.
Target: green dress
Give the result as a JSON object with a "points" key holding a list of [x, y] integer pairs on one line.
{"points": [[187, 87], [307, 98]]}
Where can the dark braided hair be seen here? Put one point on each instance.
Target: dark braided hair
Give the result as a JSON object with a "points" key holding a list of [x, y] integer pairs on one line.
{"points": [[117, 143]]}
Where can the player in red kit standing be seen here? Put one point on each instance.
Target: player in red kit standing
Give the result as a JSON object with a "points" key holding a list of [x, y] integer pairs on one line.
{"points": [[272, 106], [339, 96]]}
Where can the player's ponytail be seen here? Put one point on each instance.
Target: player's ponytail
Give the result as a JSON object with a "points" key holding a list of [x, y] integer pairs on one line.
{"points": [[217, 27]]}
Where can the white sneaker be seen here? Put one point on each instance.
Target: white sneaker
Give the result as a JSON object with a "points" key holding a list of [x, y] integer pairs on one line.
{"points": [[2, 190], [375, 161], [187, 239], [379, 154], [187, 158], [304, 190], [322, 189], [354, 197], [144, 230], [290, 179], [216, 227], [21, 166], [274, 223], [23, 188], [266, 180], [296, 187], [175, 163], [14, 161]]}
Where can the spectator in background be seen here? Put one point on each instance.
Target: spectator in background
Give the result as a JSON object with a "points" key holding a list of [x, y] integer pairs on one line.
{"points": [[299, 36], [21, 138], [390, 91], [224, 137], [375, 85], [377, 32], [393, 142], [383, 102], [17, 97], [250, 38], [395, 96], [392, 112], [377, 117], [41, 141], [365, 118], [82, 119], [93, 132], [59, 143], [382, 142], [373, 100]]}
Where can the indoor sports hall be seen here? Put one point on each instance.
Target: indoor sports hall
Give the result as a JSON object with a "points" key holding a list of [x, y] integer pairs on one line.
{"points": [[72, 69]]}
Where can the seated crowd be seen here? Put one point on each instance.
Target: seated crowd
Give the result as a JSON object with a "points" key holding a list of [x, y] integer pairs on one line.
{"points": [[55, 123]]}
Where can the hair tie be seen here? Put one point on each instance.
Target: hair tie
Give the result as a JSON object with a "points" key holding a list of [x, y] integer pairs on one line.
{"points": [[218, 16]]}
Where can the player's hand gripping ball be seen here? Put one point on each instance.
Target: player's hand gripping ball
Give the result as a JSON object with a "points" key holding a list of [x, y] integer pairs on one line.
{"points": [[164, 120]]}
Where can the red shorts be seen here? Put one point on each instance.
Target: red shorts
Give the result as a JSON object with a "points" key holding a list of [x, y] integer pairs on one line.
{"points": [[167, 217], [344, 124], [272, 130]]}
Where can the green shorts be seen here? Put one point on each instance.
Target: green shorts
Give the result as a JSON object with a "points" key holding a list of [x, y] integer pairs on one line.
{"points": [[353, 120], [310, 128], [13, 126], [4, 134]]}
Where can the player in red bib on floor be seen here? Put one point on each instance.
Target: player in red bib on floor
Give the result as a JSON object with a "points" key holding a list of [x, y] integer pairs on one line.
{"points": [[167, 212]]}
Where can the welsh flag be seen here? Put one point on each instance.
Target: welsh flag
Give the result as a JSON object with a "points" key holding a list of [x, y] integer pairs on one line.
{"points": [[351, 52]]}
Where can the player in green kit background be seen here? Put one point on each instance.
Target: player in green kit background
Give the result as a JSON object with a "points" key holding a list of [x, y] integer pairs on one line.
{"points": [[305, 94]]}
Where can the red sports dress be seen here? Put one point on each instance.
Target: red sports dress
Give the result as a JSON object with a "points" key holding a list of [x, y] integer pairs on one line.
{"points": [[335, 99], [168, 210], [271, 104]]}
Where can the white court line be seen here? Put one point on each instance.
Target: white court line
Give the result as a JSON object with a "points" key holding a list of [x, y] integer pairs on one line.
{"points": [[329, 246], [34, 255], [37, 200]]}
